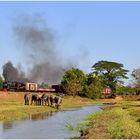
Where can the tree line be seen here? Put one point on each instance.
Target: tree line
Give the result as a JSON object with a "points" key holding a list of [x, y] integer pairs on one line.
{"points": [[104, 74]]}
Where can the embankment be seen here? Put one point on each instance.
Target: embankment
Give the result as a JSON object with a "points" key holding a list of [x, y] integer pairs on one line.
{"points": [[120, 121]]}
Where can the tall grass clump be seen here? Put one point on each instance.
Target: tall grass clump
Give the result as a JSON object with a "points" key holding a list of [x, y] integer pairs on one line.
{"points": [[123, 125]]}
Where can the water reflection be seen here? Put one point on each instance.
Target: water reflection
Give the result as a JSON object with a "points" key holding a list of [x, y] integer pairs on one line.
{"points": [[40, 116], [50, 125], [7, 125]]}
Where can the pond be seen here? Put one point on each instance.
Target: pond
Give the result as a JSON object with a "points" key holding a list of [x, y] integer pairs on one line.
{"points": [[46, 125]]}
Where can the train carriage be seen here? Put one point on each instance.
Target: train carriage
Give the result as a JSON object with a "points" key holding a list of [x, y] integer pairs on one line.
{"points": [[19, 86], [25, 86]]}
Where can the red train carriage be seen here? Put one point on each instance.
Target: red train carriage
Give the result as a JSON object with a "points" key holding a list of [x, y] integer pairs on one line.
{"points": [[107, 92], [31, 86], [46, 90]]}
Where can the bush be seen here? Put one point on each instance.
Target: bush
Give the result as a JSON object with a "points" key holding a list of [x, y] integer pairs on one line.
{"points": [[1, 82], [125, 90], [94, 89], [73, 81]]}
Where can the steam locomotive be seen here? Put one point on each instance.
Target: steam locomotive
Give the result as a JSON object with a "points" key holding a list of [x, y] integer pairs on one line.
{"points": [[27, 86]]}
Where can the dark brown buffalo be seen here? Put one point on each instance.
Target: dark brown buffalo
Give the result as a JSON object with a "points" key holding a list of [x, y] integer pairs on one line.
{"points": [[55, 101], [35, 99], [27, 98], [44, 99]]}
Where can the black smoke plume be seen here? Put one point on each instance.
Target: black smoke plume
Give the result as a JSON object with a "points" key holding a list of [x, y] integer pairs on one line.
{"points": [[37, 44], [11, 73]]}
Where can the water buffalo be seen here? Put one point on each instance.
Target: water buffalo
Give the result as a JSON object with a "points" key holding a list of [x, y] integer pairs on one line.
{"points": [[58, 101], [36, 99], [27, 98], [55, 101], [44, 99], [52, 100]]}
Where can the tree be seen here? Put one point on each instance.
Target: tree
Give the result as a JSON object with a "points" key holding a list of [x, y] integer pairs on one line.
{"points": [[1, 82], [136, 76], [125, 90], [73, 81], [43, 85], [111, 72], [94, 86]]}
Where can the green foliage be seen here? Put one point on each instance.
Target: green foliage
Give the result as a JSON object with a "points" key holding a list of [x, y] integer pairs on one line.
{"points": [[105, 74], [125, 90], [136, 76], [123, 126], [1, 82], [94, 86], [43, 85], [73, 81], [72, 127], [111, 72]]}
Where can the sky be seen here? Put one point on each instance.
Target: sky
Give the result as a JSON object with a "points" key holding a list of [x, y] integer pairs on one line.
{"points": [[84, 31]]}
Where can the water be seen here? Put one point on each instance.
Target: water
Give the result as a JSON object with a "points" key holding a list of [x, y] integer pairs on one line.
{"points": [[46, 125]]}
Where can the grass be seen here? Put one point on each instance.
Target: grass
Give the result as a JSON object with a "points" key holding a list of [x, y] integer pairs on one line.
{"points": [[12, 106], [13, 110], [123, 125], [121, 121]]}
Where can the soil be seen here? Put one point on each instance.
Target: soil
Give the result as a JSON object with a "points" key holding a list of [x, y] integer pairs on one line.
{"points": [[14, 96]]}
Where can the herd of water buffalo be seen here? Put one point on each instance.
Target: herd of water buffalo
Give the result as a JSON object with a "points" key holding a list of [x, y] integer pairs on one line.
{"points": [[45, 99]]}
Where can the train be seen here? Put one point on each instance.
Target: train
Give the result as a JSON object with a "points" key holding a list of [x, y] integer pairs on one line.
{"points": [[28, 86], [34, 87]]}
